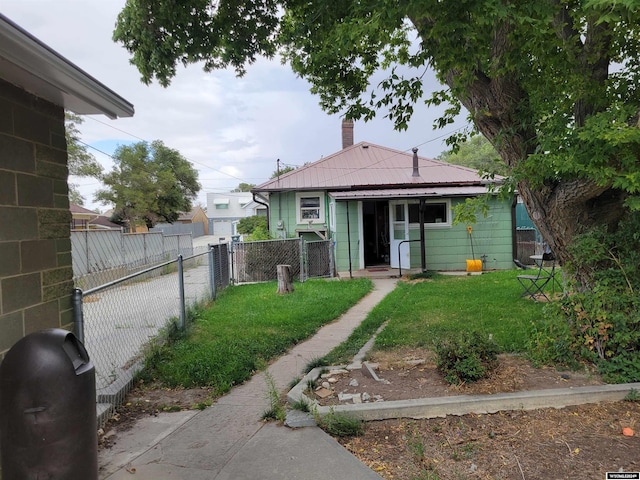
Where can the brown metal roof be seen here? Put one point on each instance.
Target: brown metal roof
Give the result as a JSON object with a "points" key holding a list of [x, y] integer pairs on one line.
{"points": [[463, 191], [367, 165]]}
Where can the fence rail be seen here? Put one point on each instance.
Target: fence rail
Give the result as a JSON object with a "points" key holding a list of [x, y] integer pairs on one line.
{"points": [[118, 320], [100, 257], [258, 261]]}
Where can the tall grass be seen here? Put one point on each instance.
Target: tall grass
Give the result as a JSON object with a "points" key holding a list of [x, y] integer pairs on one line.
{"points": [[421, 314], [247, 326], [433, 310]]}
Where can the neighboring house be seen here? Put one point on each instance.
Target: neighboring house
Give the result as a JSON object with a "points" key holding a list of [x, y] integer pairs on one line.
{"points": [[194, 222], [85, 219], [366, 198], [226, 209], [36, 85], [196, 215]]}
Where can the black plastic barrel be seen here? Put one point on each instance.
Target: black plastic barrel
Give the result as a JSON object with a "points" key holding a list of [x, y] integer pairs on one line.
{"points": [[48, 426]]}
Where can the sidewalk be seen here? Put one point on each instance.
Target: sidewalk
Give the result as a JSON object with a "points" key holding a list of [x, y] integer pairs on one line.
{"points": [[229, 441]]}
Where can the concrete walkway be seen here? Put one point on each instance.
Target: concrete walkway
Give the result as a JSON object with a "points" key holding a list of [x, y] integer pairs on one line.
{"points": [[229, 441]]}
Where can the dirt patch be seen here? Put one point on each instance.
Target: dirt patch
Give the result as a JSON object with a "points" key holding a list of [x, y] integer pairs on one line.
{"points": [[407, 374], [574, 442], [150, 400]]}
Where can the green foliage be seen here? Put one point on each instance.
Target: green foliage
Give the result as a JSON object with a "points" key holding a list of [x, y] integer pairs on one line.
{"points": [[276, 410], [243, 187], [301, 405], [149, 183], [247, 225], [477, 153], [245, 327], [286, 169], [466, 357], [552, 85], [81, 163], [632, 396], [341, 425], [600, 324]]}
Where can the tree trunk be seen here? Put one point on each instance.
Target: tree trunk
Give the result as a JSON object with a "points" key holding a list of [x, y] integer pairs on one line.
{"points": [[285, 282]]}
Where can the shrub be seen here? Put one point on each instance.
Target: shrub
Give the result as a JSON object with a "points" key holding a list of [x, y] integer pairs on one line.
{"points": [[467, 357], [600, 322]]}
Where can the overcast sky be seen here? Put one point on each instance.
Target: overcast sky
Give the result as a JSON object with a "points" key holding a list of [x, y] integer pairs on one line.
{"points": [[232, 130]]}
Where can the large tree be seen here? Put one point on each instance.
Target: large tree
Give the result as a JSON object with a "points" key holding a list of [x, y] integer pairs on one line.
{"points": [[553, 84], [149, 183], [80, 161], [477, 153]]}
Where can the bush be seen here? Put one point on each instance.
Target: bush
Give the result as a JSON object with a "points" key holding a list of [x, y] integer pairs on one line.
{"points": [[599, 322], [467, 357]]}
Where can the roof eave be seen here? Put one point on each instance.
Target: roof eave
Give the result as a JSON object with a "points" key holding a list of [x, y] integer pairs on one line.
{"points": [[27, 62]]}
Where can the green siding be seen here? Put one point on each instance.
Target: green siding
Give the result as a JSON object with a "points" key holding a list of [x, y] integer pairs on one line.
{"points": [[341, 239], [448, 248]]}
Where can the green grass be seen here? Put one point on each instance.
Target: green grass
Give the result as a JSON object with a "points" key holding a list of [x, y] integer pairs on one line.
{"points": [[247, 326], [422, 313], [488, 303]]}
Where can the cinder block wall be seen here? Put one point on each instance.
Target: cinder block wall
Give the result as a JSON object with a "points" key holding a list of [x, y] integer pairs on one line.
{"points": [[35, 246]]}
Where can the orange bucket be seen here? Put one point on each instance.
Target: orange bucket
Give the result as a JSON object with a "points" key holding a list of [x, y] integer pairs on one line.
{"points": [[474, 265]]}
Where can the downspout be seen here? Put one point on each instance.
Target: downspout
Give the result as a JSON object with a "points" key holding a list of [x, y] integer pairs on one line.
{"points": [[514, 236], [349, 240], [423, 254], [255, 199]]}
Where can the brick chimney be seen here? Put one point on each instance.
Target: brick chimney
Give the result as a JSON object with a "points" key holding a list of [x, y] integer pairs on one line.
{"points": [[347, 133]]}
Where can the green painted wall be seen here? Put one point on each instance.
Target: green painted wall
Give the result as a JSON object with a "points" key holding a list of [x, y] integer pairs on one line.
{"points": [[448, 248], [341, 249]]}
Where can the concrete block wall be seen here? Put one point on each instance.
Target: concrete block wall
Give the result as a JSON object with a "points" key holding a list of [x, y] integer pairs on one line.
{"points": [[35, 247]]}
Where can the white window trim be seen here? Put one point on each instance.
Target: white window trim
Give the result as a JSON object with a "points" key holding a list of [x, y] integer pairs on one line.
{"points": [[447, 224], [321, 215]]}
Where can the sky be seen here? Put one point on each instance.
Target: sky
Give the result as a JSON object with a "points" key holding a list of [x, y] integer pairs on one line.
{"points": [[231, 129]]}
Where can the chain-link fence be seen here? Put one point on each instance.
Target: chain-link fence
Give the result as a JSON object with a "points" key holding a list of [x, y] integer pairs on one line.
{"points": [[258, 261], [102, 256], [118, 320]]}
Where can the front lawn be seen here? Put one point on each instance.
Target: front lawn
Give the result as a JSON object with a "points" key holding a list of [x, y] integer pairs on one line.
{"points": [[422, 313], [246, 327]]}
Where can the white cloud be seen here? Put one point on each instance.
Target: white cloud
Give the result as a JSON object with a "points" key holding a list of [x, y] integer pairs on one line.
{"points": [[233, 130]]}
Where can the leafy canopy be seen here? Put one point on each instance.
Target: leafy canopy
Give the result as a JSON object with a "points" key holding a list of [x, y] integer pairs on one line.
{"points": [[149, 183], [81, 163]]}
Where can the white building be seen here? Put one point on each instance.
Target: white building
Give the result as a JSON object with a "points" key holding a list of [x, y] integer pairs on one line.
{"points": [[226, 209]]}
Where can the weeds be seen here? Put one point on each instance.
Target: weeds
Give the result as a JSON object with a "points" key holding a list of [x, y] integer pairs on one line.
{"points": [[276, 410], [341, 425], [632, 396]]}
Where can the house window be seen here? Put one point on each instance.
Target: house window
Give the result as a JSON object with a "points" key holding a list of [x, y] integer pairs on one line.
{"points": [[435, 213], [222, 206], [310, 207]]}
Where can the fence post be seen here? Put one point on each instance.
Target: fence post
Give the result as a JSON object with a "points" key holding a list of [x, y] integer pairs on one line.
{"points": [[78, 315], [302, 274], [183, 313], [332, 266], [212, 272]]}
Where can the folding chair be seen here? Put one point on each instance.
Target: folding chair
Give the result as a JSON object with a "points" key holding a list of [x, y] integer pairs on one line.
{"points": [[534, 285]]}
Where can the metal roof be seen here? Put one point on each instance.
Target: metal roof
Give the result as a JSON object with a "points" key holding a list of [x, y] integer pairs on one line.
{"points": [[368, 165], [422, 192], [30, 64]]}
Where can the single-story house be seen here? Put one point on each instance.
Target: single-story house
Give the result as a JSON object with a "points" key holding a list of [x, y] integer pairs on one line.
{"points": [[85, 219], [36, 85], [367, 199], [226, 209]]}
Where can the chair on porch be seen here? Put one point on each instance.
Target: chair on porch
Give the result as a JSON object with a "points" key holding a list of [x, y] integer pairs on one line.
{"points": [[534, 285]]}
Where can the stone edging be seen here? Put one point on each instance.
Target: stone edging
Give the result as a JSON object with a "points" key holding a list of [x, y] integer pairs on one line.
{"points": [[463, 404]]}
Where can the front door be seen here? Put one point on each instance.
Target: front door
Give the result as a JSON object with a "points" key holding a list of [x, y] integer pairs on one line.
{"points": [[399, 231]]}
